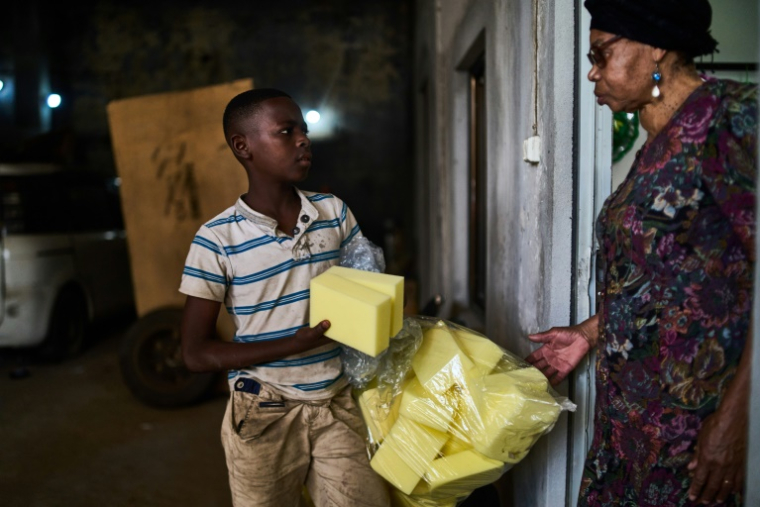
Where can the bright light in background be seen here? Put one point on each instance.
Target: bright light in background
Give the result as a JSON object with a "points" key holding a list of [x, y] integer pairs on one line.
{"points": [[1, 84], [54, 100], [322, 123], [312, 116]]}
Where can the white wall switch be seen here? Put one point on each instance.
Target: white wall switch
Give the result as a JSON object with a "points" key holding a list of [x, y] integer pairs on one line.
{"points": [[532, 150]]}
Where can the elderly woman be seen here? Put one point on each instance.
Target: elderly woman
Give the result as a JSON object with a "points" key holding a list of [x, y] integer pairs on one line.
{"points": [[677, 256]]}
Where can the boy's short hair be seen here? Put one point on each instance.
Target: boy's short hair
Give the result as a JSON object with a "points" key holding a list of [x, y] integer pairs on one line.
{"points": [[247, 104]]}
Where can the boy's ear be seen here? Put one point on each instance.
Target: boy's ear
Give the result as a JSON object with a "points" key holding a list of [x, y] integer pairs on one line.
{"points": [[239, 145]]}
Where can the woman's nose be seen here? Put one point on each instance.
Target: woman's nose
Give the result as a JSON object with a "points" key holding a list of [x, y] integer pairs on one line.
{"points": [[593, 74]]}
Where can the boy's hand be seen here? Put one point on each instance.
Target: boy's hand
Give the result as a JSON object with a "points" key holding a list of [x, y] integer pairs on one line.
{"points": [[315, 336]]}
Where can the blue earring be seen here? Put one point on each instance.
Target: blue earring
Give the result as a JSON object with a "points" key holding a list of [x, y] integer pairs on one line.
{"points": [[656, 77]]}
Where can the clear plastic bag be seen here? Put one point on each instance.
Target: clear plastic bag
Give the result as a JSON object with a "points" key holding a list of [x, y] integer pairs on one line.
{"points": [[361, 253], [390, 368], [448, 411], [361, 368]]}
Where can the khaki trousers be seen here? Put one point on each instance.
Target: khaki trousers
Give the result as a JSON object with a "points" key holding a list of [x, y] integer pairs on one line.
{"points": [[274, 446]]}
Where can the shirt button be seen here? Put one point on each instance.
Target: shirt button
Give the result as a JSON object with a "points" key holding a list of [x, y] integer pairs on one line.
{"points": [[305, 218], [296, 230], [240, 385]]}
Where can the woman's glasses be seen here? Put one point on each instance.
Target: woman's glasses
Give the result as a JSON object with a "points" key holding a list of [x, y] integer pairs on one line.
{"points": [[596, 53]]}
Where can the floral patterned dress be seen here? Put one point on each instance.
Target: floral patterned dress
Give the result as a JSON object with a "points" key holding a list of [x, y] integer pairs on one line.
{"points": [[677, 248]]}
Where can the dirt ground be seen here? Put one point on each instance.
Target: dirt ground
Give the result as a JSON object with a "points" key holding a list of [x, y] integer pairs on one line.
{"points": [[72, 435]]}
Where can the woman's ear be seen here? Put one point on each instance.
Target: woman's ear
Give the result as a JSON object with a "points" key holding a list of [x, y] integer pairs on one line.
{"points": [[658, 54]]}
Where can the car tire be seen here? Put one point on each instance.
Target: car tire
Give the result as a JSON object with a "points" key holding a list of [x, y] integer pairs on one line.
{"points": [[150, 358], [68, 328]]}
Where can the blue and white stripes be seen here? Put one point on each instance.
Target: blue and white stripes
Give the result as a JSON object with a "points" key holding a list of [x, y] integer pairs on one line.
{"points": [[254, 243], [319, 197], [283, 267], [204, 275], [226, 220], [271, 335], [303, 361], [351, 235], [268, 305], [205, 243], [324, 224], [262, 277], [318, 386]]}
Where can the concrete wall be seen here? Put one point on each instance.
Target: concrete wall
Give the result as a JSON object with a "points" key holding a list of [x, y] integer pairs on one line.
{"points": [[529, 50], [734, 26]]}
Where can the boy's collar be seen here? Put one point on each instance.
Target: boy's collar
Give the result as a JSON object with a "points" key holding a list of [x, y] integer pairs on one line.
{"points": [[307, 208]]}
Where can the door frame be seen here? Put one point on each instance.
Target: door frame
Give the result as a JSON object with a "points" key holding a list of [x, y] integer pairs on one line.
{"points": [[593, 183]]}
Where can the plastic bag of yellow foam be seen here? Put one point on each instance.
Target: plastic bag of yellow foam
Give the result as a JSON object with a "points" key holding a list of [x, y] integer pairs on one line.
{"points": [[448, 411]]}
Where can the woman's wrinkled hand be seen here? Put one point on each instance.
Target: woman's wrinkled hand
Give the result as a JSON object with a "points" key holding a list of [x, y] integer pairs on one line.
{"points": [[717, 467], [563, 349]]}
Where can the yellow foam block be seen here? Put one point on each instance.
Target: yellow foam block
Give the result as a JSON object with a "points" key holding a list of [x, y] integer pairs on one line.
{"points": [[399, 499], [378, 417], [530, 377], [467, 392], [359, 317], [393, 469], [509, 362], [461, 426], [512, 446], [439, 362], [390, 285], [463, 471], [416, 444], [455, 445], [516, 406], [483, 352], [435, 411], [407, 453], [508, 418]]}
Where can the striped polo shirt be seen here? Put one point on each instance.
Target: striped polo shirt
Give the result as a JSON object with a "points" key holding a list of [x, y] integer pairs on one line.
{"points": [[262, 276]]}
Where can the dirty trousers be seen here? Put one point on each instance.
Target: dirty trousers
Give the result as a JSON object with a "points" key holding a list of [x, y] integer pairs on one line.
{"points": [[274, 446]]}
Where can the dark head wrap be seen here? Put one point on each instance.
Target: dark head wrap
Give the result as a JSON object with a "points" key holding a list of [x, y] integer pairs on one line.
{"points": [[679, 25]]}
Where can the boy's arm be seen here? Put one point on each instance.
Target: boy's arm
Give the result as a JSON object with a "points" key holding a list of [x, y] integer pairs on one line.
{"points": [[203, 352]]}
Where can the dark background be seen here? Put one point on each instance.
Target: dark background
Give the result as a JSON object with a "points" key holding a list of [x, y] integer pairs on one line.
{"points": [[352, 57]]}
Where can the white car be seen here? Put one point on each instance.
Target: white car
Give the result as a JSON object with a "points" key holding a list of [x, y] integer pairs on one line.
{"points": [[64, 263]]}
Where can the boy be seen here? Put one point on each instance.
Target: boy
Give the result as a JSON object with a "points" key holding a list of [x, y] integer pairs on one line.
{"points": [[290, 419]]}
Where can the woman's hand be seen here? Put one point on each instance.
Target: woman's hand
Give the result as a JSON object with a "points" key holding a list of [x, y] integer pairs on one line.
{"points": [[719, 459], [563, 349], [718, 464]]}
